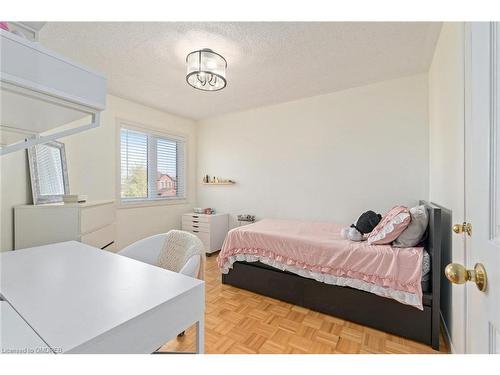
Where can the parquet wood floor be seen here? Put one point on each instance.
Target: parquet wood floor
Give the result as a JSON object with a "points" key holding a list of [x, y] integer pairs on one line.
{"points": [[238, 321]]}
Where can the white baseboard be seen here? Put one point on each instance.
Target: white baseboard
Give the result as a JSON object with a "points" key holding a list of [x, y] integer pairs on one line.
{"points": [[447, 336]]}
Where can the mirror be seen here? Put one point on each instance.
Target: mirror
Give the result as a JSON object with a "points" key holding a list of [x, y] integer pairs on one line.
{"points": [[48, 172]]}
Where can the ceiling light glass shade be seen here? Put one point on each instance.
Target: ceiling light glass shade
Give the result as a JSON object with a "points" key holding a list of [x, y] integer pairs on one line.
{"points": [[206, 70]]}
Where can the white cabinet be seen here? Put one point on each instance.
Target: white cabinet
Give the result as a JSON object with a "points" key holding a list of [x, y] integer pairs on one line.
{"points": [[210, 229], [43, 95], [92, 223]]}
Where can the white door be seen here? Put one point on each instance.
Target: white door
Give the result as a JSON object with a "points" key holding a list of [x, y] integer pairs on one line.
{"points": [[482, 183]]}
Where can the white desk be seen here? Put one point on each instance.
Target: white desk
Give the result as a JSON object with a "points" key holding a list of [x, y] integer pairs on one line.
{"points": [[80, 299], [16, 336]]}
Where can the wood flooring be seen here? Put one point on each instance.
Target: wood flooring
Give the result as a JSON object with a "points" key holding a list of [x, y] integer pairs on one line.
{"points": [[242, 322]]}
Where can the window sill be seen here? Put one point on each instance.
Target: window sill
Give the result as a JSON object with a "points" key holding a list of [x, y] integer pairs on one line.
{"points": [[151, 203]]}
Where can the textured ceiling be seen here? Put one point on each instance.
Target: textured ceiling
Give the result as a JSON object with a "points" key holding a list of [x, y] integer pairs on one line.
{"points": [[268, 62]]}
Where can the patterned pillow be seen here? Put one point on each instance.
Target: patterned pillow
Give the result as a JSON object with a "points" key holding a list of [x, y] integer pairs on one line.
{"points": [[391, 226]]}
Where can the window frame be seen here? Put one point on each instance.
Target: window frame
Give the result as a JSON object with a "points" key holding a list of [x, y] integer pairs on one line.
{"points": [[153, 131]]}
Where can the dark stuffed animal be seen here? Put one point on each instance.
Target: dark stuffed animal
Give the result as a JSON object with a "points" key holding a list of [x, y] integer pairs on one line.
{"points": [[367, 222], [364, 225]]}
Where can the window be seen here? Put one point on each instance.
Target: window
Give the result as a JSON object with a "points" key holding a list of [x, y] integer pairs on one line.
{"points": [[151, 166]]}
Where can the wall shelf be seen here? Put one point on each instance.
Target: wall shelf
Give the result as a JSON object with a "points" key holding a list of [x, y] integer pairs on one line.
{"points": [[218, 183]]}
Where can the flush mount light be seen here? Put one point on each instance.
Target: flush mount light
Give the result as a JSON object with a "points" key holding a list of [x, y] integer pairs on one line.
{"points": [[206, 70]]}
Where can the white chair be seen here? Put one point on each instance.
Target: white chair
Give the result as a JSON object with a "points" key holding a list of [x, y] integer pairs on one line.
{"points": [[148, 250]]}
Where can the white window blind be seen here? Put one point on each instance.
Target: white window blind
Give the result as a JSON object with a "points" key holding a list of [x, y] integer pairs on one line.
{"points": [[152, 166]]}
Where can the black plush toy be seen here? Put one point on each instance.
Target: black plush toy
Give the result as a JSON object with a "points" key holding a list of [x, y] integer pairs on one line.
{"points": [[365, 224]]}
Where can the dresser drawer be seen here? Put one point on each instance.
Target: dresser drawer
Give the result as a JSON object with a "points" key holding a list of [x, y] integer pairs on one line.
{"points": [[95, 217], [193, 225], [37, 225], [194, 228], [101, 237], [196, 218], [211, 229]]}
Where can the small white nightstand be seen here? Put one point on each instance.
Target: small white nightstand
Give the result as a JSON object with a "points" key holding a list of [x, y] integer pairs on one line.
{"points": [[210, 229]]}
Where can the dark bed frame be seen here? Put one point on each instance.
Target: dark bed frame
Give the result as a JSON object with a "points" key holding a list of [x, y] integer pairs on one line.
{"points": [[352, 304]]}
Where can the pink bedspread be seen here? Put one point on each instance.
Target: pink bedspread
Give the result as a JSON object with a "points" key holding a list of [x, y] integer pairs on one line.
{"points": [[317, 250]]}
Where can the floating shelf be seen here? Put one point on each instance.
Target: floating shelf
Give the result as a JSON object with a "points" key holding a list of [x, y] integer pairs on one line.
{"points": [[218, 183]]}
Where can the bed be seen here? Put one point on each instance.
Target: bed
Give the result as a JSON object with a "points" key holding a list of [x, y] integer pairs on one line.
{"points": [[309, 265]]}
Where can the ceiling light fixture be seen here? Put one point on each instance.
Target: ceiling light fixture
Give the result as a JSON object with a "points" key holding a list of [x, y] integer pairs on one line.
{"points": [[206, 70]]}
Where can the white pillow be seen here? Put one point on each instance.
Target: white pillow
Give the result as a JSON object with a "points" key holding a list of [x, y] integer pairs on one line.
{"points": [[413, 234]]}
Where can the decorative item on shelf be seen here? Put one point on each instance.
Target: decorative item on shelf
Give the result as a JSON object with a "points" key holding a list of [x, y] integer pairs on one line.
{"points": [[207, 180], [25, 30], [246, 217], [74, 198], [206, 211]]}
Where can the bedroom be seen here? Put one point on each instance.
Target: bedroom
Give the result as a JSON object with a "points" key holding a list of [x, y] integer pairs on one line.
{"points": [[295, 187]]}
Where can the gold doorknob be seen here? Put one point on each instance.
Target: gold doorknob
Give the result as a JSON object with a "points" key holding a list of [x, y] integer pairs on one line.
{"points": [[464, 227], [458, 274]]}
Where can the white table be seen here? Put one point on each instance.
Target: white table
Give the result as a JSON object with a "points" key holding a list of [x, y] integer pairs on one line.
{"points": [[16, 336], [80, 299]]}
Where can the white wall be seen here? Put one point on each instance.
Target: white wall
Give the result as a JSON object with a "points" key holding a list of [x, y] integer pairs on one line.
{"points": [[92, 168], [446, 175], [325, 158], [15, 190]]}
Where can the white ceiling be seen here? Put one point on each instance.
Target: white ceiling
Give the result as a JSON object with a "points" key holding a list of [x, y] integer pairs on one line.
{"points": [[268, 62]]}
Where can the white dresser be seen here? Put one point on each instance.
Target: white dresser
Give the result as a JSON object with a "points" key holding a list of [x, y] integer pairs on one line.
{"points": [[92, 223], [210, 229]]}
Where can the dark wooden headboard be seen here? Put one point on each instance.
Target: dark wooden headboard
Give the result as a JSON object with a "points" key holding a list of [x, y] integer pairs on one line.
{"points": [[433, 245]]}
